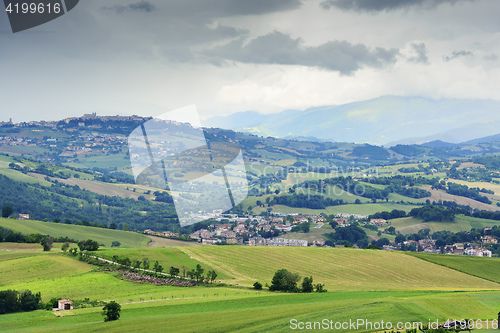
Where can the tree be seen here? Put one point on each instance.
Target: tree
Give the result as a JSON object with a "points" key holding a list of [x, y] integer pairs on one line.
{"points": [[211, 275], [307, 284], [125, 227], [257, 285], [7, 211], [156, 265], [137, 264], [283, 280], [199, 273], [115, 244], [88, 245], [399, 238], [145, 263], [29, 301], [53, 303], [47, 242], [320, 288], [111, 311], [174, 271], [65, 246], [112, 225]]}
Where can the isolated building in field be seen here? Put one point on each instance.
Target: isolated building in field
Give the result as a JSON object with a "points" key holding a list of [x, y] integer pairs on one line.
{"points": [[64, 304], [24, 216]]}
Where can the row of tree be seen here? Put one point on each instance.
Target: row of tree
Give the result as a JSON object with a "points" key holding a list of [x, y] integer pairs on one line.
{"points": [[284, 280], [19, 301]]}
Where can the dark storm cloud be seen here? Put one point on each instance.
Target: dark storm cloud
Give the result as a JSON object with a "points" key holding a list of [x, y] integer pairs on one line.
{"points": [[381, 5], [420, 53], [458, 54], [279, 48], [142, 6], [209, 9], [189, 24]]}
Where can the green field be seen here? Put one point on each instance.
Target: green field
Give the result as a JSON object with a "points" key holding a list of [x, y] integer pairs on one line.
{"points": [[17, 175], [338, 269], [372, 285], [410, 225], [486, 268], [363, 209], [264, 312], [77, 232]]}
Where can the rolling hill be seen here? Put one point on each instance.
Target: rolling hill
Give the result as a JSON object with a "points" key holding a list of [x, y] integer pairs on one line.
{"points": [[338, 269], [77, 232]]}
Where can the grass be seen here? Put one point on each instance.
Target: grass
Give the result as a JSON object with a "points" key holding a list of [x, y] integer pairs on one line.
{"points": [[485, 268], [410, 225], [24, 271], [489, 186], [362, 209], [62, 276], [119, 161], [339, 269], [313, 234], [372, 285], [77, 232], [264, 312], [166, 256]]}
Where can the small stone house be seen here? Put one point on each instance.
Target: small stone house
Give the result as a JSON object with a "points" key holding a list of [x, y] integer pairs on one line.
{"points": [[65, 304]]}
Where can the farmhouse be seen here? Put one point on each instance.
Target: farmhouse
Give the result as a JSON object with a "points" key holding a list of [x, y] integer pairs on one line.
{"points": [[64, 304], [378, 222], [489, 240], [286, 242], [319, 242], [210, 241], [169, 234], [24, 216]]}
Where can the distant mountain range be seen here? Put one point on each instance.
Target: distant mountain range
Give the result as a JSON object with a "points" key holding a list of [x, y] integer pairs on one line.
{"points": [[387, 120]]}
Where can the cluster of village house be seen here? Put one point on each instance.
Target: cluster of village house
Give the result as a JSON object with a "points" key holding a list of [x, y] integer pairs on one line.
{"points": [[237, 229], [429, 246], [244, 231], [85, 143]]}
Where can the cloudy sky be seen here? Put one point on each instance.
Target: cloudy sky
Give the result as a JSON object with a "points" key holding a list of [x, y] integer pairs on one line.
{"points": [[225, 56]]}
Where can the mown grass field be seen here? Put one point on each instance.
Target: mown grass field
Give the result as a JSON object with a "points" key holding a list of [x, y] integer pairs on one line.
{"points": [[409, 225], [313, 234], [264, 312], [373, 285], [17, 175], [485, 268], [338, 269], [77, 232], [22, 271], [363, 209]]}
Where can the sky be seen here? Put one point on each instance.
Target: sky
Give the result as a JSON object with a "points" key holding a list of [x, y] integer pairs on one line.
{"points": [[226, 56]]}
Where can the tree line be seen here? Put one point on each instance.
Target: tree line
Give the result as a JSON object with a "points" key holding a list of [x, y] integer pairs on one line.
{"points": [[284, 280]]}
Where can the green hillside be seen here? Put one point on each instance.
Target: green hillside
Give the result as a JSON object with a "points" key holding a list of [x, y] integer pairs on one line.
{"points": [[77, 232], [409, 225], [262, 312], [486, 268], [338, 269], [410, 289]]}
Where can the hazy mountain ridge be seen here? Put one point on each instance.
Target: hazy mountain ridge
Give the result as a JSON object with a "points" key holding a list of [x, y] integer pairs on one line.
{"points": [[387, 120]]}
